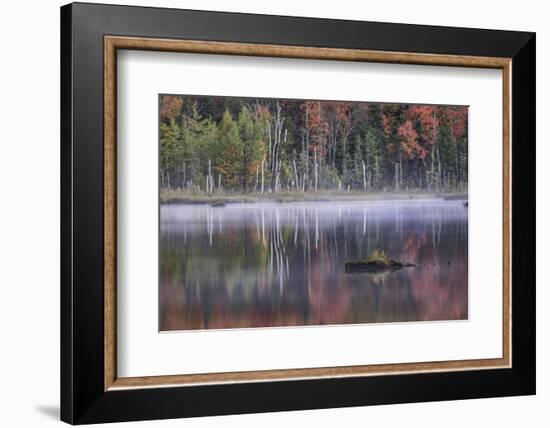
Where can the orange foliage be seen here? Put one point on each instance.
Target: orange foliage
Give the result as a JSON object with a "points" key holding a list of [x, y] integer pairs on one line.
{"points": [[170, 107], [409, 141]]}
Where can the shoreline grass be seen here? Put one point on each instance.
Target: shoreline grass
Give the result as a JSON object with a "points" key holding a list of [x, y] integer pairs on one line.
{"points": [[173, 196]]}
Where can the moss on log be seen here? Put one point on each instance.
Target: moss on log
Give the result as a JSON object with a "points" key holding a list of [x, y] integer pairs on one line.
{"points": [[377, 261]]}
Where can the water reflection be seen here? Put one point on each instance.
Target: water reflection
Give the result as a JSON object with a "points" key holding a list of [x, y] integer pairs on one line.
{"points": [[270, 264]]}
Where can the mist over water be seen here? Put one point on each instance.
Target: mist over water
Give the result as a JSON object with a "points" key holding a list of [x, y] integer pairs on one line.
{"points": [[283, 264]]}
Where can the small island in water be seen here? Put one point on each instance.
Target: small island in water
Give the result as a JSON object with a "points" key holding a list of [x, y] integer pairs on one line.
{"points": [[377, 261], [269, 207]]}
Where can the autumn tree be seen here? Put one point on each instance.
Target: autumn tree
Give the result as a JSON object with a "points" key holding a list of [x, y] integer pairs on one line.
{"points": [[269, 145], [253, 149], [458, 122], [198, 136], [227, 151], [170, 150], [170, 107]]}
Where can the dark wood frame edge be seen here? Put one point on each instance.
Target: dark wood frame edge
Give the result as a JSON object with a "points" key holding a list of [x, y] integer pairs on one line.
{"points": [[83, 395]]}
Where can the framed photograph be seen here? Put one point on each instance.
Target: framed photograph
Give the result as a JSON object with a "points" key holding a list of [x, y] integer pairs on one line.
{"points": [[265, 213]]}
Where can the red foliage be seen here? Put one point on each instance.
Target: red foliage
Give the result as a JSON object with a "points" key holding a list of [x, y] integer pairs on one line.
{"points": [[458, 119], [389, 118], [409, 141], [428, 116], [318, 124]]}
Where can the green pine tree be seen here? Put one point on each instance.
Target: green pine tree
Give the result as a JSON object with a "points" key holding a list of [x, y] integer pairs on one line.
{"points": [[199, 134], [227, 151], [170, 150], [252, 138]]}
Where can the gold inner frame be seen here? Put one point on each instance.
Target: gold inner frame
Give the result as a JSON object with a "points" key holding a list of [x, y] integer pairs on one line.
{"points": [[113, 43]]}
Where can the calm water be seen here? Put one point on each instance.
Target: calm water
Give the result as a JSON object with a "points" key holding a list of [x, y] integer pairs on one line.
{"points": [[271, 264]]}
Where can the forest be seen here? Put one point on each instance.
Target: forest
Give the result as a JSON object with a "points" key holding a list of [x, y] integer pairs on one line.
{"points": [[229, 145]]}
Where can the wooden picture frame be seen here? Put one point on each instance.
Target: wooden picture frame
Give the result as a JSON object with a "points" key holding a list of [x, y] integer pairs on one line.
{"points": [[91, 391]]}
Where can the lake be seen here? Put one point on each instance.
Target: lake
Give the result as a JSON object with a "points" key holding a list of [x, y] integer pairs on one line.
{"points": [[283, 264]]}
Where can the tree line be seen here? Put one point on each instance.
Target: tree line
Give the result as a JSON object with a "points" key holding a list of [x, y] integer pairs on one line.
{"points": [[226, 144]]}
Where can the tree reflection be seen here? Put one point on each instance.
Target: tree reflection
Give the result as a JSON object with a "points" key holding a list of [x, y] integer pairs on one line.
{"points": [[268, 264]]}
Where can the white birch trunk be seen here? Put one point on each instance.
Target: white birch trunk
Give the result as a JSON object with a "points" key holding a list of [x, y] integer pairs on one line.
{"points": [[364, 176]]}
